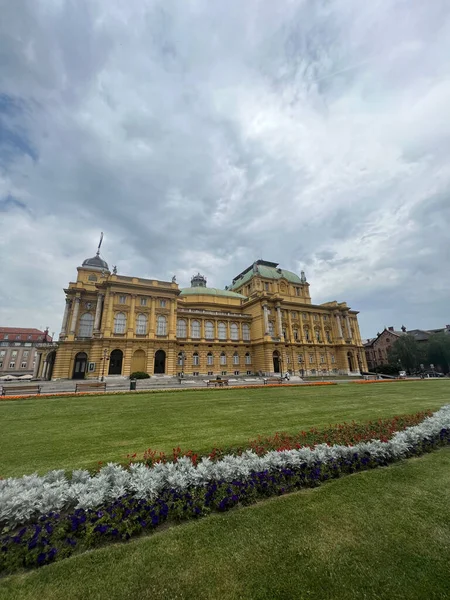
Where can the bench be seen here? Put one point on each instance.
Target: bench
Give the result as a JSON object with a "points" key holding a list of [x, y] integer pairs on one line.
{"points": [[19, 390], [90, 386], [217, 382], [273, 380]]}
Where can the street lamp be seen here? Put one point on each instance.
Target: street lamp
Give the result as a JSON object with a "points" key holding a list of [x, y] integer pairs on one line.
{"points": [[104, 359]]}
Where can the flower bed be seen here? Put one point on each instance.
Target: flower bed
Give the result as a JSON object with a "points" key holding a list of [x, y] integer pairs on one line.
{"points": [[117, 503], [161, 391], [345, 434]]}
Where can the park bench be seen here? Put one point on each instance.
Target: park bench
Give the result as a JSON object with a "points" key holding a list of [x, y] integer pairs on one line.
{"points": [[20, 390], [88, 386], [217, 382], [273, 380]]}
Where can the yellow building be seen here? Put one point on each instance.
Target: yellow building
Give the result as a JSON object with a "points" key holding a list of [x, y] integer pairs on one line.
{"points": [[263, 323]]}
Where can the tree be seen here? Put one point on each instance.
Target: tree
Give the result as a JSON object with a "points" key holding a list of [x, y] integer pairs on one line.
{"points": [[406, 353], [439, 351]]}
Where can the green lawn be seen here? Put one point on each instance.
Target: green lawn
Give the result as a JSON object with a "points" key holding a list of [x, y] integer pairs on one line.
{"points": [[382, 534], [46, 433]]}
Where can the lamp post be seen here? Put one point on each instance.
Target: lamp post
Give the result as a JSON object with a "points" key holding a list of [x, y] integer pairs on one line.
{"points": [[104, 359]]}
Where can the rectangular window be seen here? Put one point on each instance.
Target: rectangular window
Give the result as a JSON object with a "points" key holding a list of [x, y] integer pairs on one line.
{"points": [[25, 354], [196, 360], [311, 359], [300, 359], [143, 301], [210, 372], [195, 373], [333, 359], [236, 372], [2, 352], [122, 299], [223, 359], [12, 365], [1, 364], [209, 359], [6, 337], [17, 344], [235, 359], [162, 303], [297, 291], [248, 359], [266, 287], [224, 372], [14, 354], [315, 317], [17, 337], [322, 359], [24, 365], [28, 344], [249, 372]]}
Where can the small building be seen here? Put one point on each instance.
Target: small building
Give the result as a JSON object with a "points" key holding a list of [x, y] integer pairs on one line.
{"points": [[18, 349], [264, 322]]}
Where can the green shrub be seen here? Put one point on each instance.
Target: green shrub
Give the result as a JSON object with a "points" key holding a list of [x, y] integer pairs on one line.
{"points": [[139, 375]]}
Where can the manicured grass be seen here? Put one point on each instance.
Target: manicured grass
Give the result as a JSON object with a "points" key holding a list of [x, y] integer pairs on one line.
{"points": [[48, 433], [382, 534]]}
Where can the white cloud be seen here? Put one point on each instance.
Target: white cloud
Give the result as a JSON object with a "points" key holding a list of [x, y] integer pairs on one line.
{"points": [[204, 135]]}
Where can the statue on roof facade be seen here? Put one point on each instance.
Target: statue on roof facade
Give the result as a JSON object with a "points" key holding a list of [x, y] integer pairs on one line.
{"points": [[174, 279], [302, 277]]}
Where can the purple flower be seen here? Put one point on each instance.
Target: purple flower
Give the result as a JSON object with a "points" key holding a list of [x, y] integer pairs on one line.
{"points": [[41, 558]]}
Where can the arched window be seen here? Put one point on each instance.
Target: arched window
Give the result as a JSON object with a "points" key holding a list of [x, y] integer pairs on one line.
{"points": [[209, 359], [271, 328], [209, 330], [235, 358], [246, 332], [234, 331], [295, 332], [248, 358], [317, 332], [306, 330], [161, 325], [195, 329], [300, 358], [86, 325], [223, 358], [328, 336], [120, 323], [141, 325], [181, 328], [195, 359], [222, 331]]}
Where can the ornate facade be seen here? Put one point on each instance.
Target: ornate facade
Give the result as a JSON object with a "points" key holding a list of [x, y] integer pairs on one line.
{"points": [[264, 322]]}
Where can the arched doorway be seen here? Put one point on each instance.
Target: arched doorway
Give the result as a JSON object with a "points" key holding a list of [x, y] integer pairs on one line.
{"points": [[50, 364], [115, 362], [160, 362], [350, 361], [79, 365], [138, 361], [276, 362]]}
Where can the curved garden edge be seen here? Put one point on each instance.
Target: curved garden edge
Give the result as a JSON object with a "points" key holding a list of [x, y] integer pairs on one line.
{"points": [[55, 536]]}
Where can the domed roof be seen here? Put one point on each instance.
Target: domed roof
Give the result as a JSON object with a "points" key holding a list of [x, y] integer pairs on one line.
{"points": [[95, 263], [206, 291]]}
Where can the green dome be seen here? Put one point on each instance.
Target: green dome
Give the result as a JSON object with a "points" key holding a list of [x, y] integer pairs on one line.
{"points": [[207, 291], [267, 271]]}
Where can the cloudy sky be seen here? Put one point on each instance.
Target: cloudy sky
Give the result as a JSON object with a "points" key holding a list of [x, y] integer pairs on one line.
{"points": [[201, 135]]}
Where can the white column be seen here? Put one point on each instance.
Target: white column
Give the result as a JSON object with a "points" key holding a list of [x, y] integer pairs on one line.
{"points": [[65, 317], [98, 311], [76, 308], [266, 320], [280, 323], [338, 319], [37, 364]]}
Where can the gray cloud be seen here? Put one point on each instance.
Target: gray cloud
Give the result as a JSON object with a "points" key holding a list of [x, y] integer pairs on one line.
{"points": [[204, 135]]}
